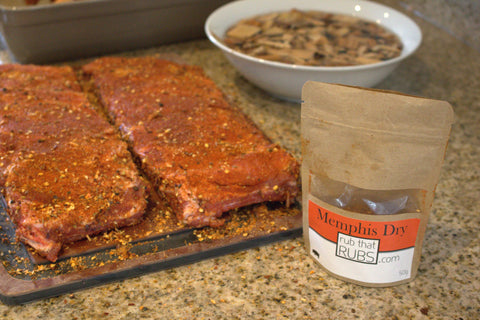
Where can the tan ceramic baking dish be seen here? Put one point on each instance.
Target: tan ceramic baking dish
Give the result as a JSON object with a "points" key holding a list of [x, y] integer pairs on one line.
{"points": [[49, 32]]}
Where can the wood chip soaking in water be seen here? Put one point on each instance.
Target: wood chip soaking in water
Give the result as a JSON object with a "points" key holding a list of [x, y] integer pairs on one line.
{"points": [[313, 38]]}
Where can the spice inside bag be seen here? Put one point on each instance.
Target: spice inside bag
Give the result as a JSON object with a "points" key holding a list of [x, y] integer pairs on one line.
{"points": [[371, 162]]}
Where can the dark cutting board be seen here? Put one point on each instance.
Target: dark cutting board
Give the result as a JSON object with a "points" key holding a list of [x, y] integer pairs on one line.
{"points": [[158, 242]]}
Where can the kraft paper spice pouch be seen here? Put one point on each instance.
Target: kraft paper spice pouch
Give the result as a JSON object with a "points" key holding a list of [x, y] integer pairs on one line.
{"points": [[371, 161]]}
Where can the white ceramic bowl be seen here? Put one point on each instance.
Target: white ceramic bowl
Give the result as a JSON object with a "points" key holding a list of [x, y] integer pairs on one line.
{"points": [[286, 80]]}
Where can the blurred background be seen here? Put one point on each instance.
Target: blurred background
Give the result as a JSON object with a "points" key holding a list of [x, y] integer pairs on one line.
{"points": [[461, 18]]}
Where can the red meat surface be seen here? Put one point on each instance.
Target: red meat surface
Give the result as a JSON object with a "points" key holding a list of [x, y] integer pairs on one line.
{"points": [[202, 154], [64, 170]]}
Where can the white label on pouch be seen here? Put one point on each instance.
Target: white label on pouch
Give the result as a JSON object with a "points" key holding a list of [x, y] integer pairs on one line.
{"points": [[366, 251]]}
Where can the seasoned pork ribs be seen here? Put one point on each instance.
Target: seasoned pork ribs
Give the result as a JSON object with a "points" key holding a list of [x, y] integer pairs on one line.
{"points": [[65, 172], [202, 154]]}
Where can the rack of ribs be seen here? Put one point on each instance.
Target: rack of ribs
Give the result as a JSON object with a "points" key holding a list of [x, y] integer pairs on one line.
{"points": [[64, 170], [203, 155]]}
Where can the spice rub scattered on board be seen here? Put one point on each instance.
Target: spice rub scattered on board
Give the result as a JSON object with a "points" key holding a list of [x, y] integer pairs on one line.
{"points": [[202, 154], [64, 171]]}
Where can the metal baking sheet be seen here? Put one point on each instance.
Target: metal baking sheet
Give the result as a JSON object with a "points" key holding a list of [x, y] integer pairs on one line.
{"points": [[157, 243], [48, 32]]}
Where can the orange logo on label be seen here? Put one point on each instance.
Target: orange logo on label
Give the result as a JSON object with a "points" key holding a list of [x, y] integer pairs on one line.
{"points": [[393, 235]]}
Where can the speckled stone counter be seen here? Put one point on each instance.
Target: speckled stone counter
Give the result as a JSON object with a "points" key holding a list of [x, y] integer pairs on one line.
{"points": [[279, 281]]}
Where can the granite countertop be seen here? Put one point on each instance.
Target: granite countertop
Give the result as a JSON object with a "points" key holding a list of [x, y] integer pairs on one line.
{"points": [[280, 281]]}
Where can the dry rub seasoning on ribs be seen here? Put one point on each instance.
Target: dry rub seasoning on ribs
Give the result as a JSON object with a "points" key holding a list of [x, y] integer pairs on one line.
{"points": [[205, 156], [64, 171]]}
